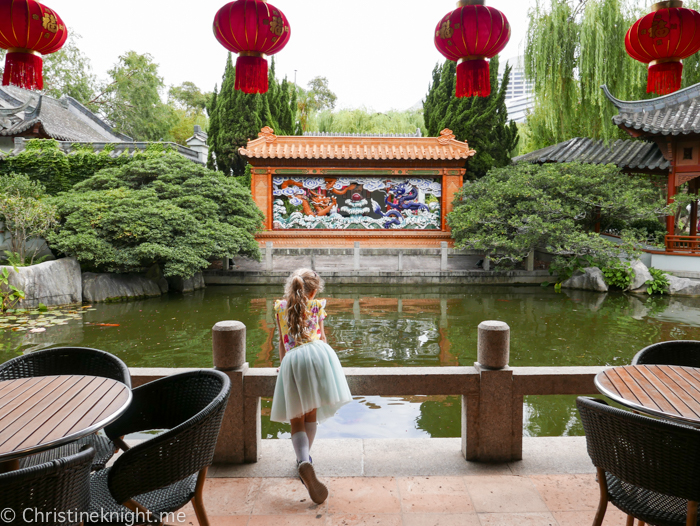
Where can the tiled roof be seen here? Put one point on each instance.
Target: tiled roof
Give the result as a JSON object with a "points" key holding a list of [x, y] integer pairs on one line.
{"points": [[64, 120], [629, 155], [269, 146], [674, 114]]}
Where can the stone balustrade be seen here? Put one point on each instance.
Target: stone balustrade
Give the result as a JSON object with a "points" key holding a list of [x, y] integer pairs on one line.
{"points": [[492, 392]]}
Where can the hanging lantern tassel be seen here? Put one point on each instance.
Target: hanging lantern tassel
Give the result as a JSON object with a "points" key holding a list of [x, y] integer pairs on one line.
{"points": [[664, 77], [473, 78], [23, 69], [251, 74]]}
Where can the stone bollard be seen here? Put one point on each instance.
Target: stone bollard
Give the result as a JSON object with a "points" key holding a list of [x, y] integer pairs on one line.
{"points": [[268, 256], [228, 348], [400, 261], [487, 263], [443, 256], [356, 256], [490, 431]]}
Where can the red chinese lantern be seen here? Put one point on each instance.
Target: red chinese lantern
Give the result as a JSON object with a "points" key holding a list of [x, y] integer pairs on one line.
{"points": [[662, 39], [253, 29], [469, 35], [28, 30]]}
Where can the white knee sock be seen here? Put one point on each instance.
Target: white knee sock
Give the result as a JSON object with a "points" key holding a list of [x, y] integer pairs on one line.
{"points": [[311, 432], [301, 446]]}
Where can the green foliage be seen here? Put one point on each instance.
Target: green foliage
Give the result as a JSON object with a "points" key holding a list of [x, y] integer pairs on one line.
{"points": [[482, 121], [189, 105], [165, 210], [554, 206], [132, 102], [69, 72], [572, 49], [618, 274], [660, 283], [26, 216], [9, 294], [15, 259], [364, 121]]}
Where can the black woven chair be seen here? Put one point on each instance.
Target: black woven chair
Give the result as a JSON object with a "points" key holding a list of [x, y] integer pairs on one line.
{"points": [[65, 361], [162, 474], [648, 468], [47, 490], [675, 352]]}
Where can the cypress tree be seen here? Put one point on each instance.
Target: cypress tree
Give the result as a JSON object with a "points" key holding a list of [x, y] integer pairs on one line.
{"points": [[481, 121], [213, 130], [286, 120]]}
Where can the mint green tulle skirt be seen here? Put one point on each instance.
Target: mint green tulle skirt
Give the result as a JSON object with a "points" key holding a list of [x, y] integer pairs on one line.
{"points": [[310, 377]]}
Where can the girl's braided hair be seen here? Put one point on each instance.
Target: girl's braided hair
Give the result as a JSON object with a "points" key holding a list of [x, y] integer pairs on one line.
{"points": [[299, 286]]}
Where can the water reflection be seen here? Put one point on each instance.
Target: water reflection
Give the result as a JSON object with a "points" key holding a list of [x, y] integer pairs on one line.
{"points": [[391, 327]]}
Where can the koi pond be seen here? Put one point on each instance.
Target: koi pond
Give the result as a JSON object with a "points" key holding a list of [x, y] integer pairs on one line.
{"points": [[383, 327]]}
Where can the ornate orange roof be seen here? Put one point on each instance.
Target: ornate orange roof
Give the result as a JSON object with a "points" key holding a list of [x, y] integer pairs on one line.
{"points": [[270, 146]]}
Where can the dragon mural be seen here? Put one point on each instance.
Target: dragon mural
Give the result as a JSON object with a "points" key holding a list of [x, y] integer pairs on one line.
{"points": [[396, 203]]}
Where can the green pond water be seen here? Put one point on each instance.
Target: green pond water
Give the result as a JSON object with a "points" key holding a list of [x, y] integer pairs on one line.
{"points": [[390, 327]]}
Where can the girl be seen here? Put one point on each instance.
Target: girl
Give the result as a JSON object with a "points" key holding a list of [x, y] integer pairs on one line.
{"points": [[311, 385]]}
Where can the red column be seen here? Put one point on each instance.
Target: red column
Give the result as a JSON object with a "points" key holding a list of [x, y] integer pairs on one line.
{"points": [[694, 187], [671, 220]]}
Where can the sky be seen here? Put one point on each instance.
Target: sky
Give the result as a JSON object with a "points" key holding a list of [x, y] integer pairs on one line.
{"points": [[375, 53]]}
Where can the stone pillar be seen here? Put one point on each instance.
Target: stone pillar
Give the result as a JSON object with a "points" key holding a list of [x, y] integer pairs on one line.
{"points": [[228, 346], [490, 429], [531, 261], [443, 256], [225, 262], [400, 261], [268, 256], [356, 256], [487, 263]]}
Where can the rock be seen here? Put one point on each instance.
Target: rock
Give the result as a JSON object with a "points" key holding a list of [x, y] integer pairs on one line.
{"points": [[55, 282], [683, 286], [156, 274], [640, 275], [99, 288], [179, 284], [590, 279]]}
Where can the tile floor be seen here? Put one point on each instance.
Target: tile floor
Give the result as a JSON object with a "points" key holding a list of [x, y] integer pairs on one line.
{"points": [[473, 500]]}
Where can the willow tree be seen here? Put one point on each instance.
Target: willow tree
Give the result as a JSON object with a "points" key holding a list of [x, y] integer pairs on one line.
{"points": [[574, 47]]}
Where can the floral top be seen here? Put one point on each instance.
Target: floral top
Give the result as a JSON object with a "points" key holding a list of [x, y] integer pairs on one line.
{"points": [[315, 315]]}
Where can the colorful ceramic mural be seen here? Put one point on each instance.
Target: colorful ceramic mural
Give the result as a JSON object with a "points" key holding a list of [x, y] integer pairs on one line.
{"points": [[357, 203]]}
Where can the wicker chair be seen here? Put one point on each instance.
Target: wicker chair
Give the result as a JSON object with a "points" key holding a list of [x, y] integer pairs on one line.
{"points": [[59, 486], [648, 468], [64, 361], [675, 352], [162, 474]]}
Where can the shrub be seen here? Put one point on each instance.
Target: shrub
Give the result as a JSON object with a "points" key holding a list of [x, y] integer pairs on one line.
{"points": [[165, 210], [660, 283], [618, 274]]}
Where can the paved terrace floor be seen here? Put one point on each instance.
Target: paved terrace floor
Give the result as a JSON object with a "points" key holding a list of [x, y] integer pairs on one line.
{"points": [[409, 482]]}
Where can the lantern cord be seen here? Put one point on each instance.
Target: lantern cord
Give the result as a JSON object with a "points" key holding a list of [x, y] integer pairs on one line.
{"points": [[251, 75], [664, 78], [473, 79], [23, 70]]}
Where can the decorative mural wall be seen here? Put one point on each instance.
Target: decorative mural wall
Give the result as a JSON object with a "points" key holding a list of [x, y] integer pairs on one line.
{"points": [[356, 203]]}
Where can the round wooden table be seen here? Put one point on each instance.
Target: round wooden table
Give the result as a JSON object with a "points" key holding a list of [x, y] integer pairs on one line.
{"points": [[41, 413], [666, 391]]}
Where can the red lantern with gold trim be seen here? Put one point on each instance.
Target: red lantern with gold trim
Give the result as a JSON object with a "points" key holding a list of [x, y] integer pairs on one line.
{"points": [[28, 30], [664, 37], [253, 29], [469, 35]]}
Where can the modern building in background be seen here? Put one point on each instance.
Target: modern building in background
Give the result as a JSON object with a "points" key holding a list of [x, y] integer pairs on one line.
{"points": [[520, 95]]}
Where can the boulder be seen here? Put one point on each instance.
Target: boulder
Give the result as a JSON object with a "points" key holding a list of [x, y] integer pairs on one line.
{"points": [[590, 279], [683, 286], [156, 274], [55, 282], [179, 284], [640, 275], [99, 288]]}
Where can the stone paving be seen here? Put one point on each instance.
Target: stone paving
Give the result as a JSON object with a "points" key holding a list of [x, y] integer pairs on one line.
{"points": [[419, 482]]}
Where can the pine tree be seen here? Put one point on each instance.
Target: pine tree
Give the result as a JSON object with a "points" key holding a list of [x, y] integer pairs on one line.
{"points": [[481, 121]]}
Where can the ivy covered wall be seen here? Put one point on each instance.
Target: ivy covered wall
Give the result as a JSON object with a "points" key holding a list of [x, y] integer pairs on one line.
{"points": [[43, 160]]}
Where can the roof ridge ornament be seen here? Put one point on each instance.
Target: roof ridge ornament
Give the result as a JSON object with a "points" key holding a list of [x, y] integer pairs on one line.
{"points": [[446, 136], [268, 134]]}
